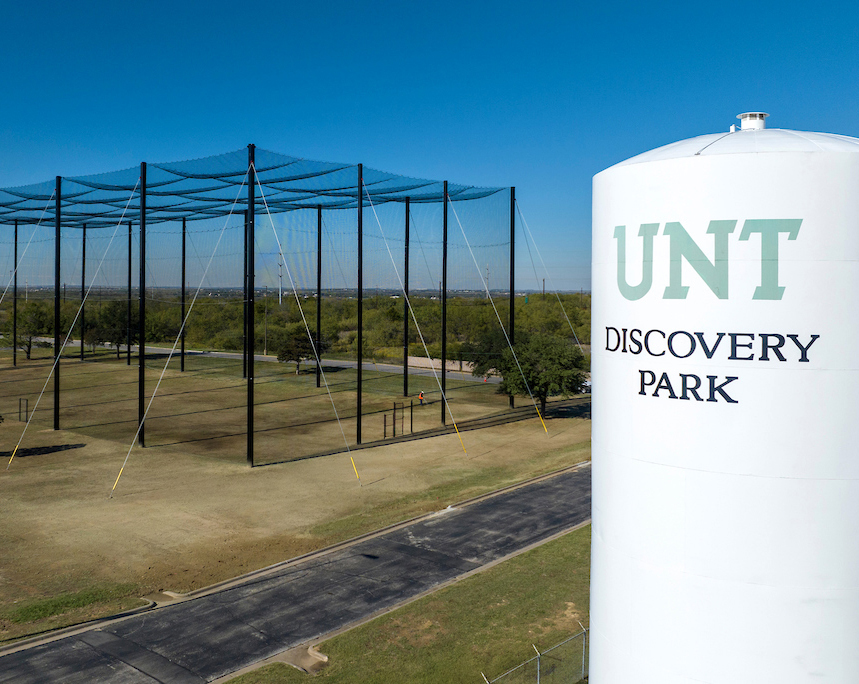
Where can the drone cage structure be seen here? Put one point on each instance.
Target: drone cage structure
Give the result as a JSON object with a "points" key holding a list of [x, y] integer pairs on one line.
{"points": [[379, 270]]}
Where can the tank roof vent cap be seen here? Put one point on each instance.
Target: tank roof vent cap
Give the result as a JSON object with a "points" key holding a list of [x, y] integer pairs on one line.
{"points": [[752, 121]]}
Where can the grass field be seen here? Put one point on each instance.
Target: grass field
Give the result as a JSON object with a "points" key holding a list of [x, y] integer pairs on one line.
{"points": [[485, 623], [203, 410], [188, 512]]}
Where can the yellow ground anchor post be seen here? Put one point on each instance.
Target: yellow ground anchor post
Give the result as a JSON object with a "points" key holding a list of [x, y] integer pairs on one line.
{"points": [[461, 443], [13, 455], [117, 482], [539, 415]]}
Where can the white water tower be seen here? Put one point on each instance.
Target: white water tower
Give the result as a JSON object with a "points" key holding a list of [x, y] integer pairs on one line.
{"points": [[725, 371]]}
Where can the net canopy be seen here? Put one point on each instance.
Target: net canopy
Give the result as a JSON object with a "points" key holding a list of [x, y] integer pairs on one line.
{"points": [[212, 187], [390, 283]]}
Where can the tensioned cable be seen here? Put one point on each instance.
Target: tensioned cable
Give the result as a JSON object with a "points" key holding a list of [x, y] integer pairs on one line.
{"points": [[525, 223], [71, 328], [533, 265], [21, 259], [495, 309], [178, 337], [307, 328], [334, 252], [423, 253], [418, 327]]}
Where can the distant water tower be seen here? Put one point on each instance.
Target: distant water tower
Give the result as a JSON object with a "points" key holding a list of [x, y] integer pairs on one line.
{"points": [[726, 411]]}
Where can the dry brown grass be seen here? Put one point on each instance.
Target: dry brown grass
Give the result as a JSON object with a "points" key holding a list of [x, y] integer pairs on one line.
{"points": [[187, 514]]}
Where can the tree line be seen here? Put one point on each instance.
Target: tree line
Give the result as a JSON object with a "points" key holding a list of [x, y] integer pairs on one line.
{"points": [[542, 330]]}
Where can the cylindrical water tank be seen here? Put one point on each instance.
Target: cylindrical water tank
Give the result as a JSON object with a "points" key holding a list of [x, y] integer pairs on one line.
{"points": [[725, 367]]}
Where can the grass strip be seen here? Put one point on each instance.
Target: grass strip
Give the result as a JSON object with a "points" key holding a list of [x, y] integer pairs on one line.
{"points": [[465, 485], [485, 623], [57, 605]]}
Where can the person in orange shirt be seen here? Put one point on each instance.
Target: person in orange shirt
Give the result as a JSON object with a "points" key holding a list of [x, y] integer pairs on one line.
{"points": [[421, 397]]}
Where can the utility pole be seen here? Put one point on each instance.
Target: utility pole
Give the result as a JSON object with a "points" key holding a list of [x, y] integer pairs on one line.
{"points": [[280, 279]]}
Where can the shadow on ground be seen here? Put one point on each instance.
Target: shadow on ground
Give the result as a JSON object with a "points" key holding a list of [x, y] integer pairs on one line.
{"points": [[569, 410], [41, 451]]}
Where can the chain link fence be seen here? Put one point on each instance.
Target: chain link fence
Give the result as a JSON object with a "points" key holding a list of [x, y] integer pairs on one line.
{"points": [[563, 663]]}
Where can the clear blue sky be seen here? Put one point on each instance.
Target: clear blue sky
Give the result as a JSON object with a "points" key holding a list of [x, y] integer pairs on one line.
{"points": [[540, 95]]}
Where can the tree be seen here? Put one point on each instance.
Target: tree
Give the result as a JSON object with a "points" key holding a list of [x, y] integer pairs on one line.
{"points": [[34, 321], [293, 344], [487, 352], [113, 323], [551, 365], [94, 337]]}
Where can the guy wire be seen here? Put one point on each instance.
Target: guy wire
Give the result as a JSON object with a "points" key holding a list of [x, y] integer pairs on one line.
{"points": [[24, 253], [72, 327], [414, 318], [525, 223], [178, 337], [307, 328], [495, 309]]}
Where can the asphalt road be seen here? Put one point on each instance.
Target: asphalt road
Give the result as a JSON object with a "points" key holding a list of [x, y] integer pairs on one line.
{"points": [[207, 637]]}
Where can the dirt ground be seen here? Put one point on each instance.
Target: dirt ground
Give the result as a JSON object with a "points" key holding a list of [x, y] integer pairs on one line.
{"points": [[182, 518]]}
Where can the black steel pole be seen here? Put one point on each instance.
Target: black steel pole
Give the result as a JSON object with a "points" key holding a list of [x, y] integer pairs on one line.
{"points": [[511, 320], [83, 290], [58, 198], [141, 318], [406, 307], [245, 301], [15, 301], [319, 295], [250, 298], [444, 310], [128, 307], [360, 295], [182, 322]]}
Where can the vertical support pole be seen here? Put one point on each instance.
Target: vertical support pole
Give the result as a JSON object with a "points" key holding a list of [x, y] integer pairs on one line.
{"points": [[360, 294], [319, 295], [394, 421], [411, 416], [58, 199], [444, 311], [245, 297], [128, 307], [249, 266], [141, 313], [385, 426], [83, 290], [584, 651], [511, 319], [15, 301], [182, 322], [406, 306]]}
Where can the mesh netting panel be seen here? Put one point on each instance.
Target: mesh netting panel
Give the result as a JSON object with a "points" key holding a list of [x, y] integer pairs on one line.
{"points": [[201, 402], [208, 187]]}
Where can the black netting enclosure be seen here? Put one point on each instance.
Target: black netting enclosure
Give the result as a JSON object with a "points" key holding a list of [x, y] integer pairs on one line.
{"points": [[277, 308]]}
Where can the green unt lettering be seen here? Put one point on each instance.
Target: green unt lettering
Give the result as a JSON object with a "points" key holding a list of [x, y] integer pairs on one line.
{"points": [[714, 273], [769, 230], [648, 232]]}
